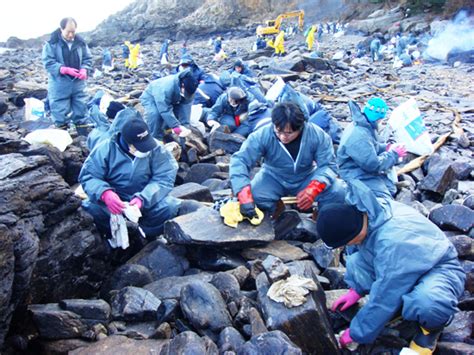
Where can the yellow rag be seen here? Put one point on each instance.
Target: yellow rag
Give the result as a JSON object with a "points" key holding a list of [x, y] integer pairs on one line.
{"points": [[232, 216]]}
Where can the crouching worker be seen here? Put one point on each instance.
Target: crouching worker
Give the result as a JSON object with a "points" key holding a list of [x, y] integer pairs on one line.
{"points": [[130, 167], [298, 160], [404, 262]]}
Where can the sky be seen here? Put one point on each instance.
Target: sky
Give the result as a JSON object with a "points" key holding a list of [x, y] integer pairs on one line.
{"points": [[33, 18]]}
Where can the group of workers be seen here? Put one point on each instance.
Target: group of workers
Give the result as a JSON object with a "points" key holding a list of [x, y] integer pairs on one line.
{"points": [[397, 256]]}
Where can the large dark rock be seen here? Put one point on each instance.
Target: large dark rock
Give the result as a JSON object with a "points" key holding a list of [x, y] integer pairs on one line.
{"points": [[448, 348], [275, 342], [230, 339], [190, 229], [162, 260], [204, 307], [55, 246], [227, 285], [135, 304], [190, 343], [317, 63], [126, 275], [7, 274], [192, 191], [323, 255], [460, 329], [89, 309], [229, 142], [200, 172], [275, 269], [55, 323], [306, 325], [441, 176], [170, 287], [215, 259], [453, 217]]}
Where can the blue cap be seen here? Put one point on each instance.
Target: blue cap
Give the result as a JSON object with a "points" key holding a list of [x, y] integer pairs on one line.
{"points": [[375, 109]]}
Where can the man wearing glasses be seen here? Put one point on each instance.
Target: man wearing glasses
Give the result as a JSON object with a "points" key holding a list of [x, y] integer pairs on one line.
{"points": [[298, 159]]}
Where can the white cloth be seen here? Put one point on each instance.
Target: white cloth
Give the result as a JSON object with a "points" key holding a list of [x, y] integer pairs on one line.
{"points": [[118, 226], [292, 290]]}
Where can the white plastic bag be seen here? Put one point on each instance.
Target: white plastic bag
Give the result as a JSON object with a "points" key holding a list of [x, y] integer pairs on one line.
{"points": [[56, 137], [34, 109], [275, 90], [408, 128]]}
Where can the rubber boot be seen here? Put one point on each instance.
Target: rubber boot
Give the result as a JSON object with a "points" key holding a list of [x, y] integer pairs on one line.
{"points": [[424, 341]]}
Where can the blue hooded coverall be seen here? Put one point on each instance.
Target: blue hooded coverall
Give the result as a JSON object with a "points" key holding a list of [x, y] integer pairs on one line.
{"points": [[375, 49], [405, 263], [164, 106], [246, 83], [66, 94], [106, 130], [280, 175], [224, 113], [313, 112], [164, 49], [150, 178], [198, 73], [211, 87], [361, 156]]}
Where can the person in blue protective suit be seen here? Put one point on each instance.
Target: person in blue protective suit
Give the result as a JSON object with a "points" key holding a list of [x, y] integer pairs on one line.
{"points": [[259, 115], [247, 83], [375, 54], [313, 112], [298, 159], [186, 62], [217, 45], [362, 156], [110, 123], [106, 58], [402, 261], [260, 43], [231, 110], [241, 68], [67, 60], [130, 167], [164, 51], [208, 91], [320, 32], [167, 102], [401, 46]]}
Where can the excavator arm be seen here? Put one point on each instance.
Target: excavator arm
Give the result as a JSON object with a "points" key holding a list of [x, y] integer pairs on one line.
{"points": [[273, 26]]}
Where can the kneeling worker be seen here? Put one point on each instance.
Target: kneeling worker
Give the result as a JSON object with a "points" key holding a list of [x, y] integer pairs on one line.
{"points": [[403, 261]]}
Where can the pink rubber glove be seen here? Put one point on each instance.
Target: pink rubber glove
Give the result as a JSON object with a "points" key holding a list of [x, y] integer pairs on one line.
{"points": [[113, 202], [177, 130], [347, 300], [69, 71], [345, 339], [136, 201], [387, 148], [400, 150], [82, 74]]}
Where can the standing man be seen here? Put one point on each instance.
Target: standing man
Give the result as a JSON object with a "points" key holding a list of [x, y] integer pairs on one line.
{"points": [[67, 59], [298, 160]]}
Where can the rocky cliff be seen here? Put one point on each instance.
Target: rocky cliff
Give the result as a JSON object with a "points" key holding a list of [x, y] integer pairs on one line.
{"points": [[153, 20]]}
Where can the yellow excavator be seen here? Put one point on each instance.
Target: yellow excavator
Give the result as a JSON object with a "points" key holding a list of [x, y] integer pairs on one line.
{"points": [[273, 26]]}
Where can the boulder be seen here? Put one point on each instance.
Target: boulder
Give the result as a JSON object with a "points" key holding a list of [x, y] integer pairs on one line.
{"points": [[204, 307], [228, 142], [135, 304], [162, 260], [453, 217], [190, 343], [274, 342], [216, 259], [460, 329], [230, 339], [192, 191], [200, 172], [88, 309], [189, 229], [53, 322], [441, 176], [170, 287], [448, 348], [275, 269], [307, 325], [126, 275]]}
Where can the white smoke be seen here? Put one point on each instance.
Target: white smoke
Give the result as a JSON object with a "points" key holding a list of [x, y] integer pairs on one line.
{"points": [[458, 34]]}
